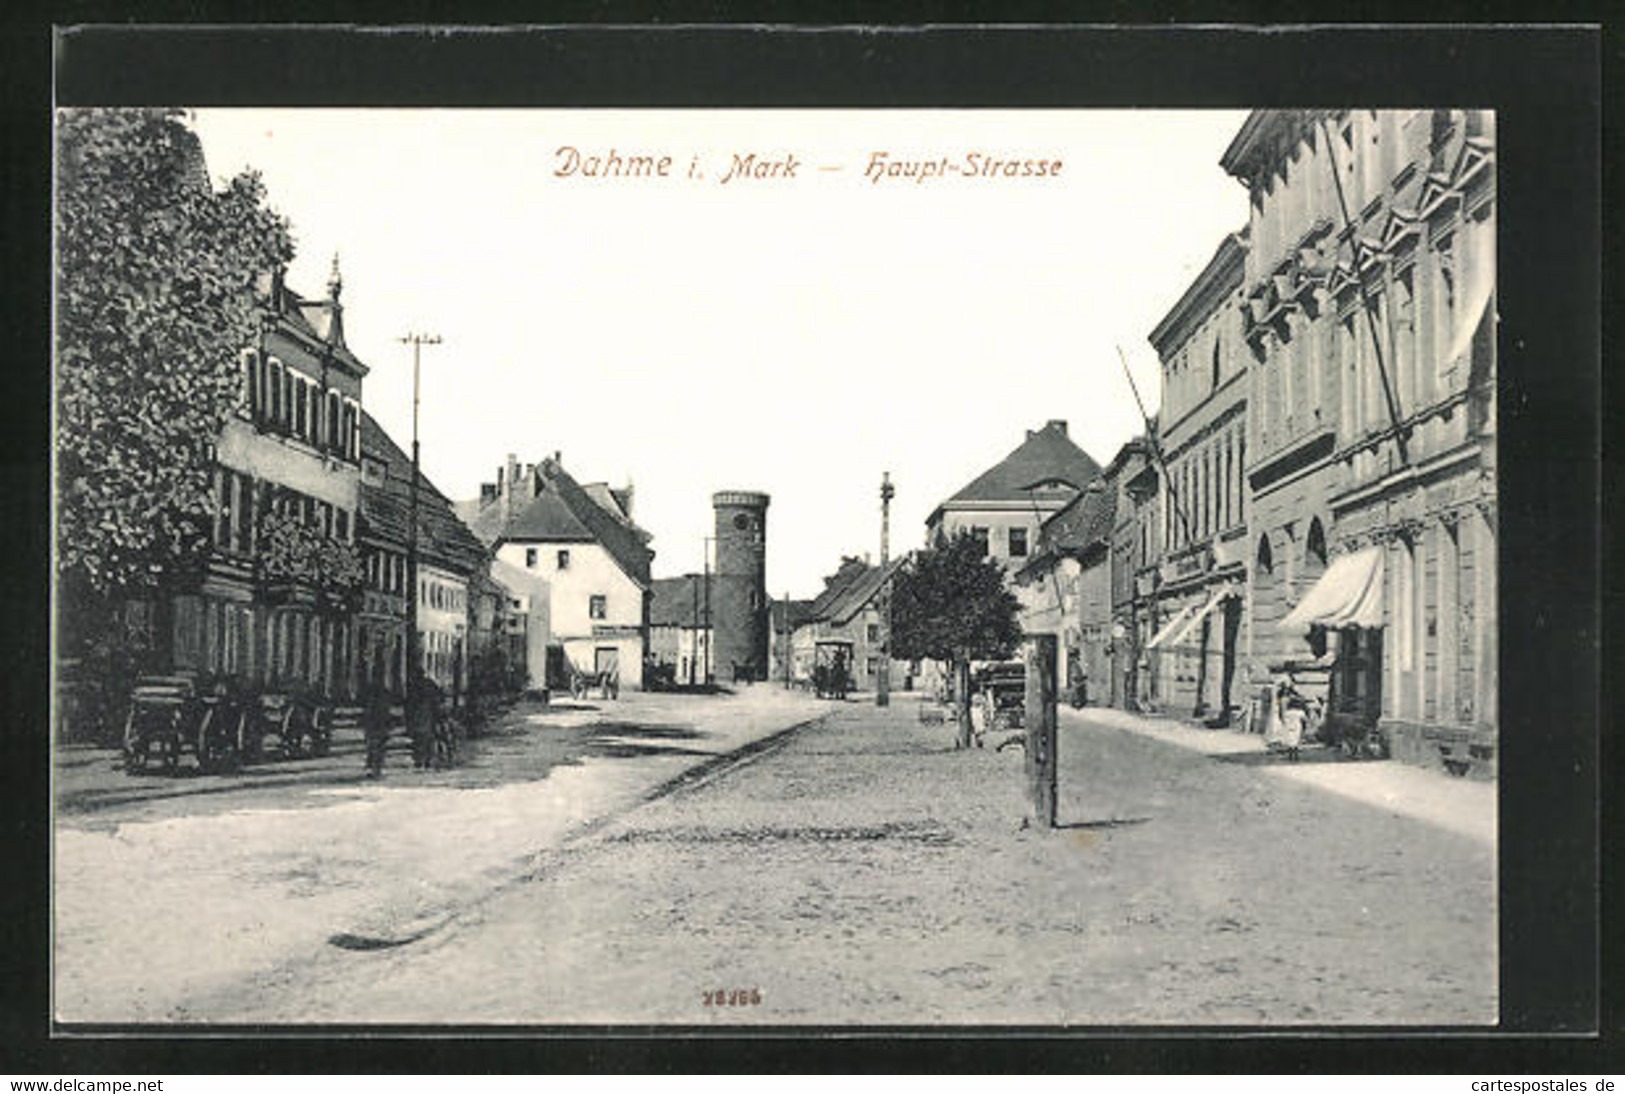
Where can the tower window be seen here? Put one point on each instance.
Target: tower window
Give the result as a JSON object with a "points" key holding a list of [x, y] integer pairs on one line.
{"points": [[741, 521]]}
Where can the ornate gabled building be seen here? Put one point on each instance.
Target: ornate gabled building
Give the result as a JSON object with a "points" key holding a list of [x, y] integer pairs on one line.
{"points": [[276, 603], [1371, 458]]}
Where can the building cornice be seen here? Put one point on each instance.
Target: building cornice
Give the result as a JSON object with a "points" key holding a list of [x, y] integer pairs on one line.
{"points": [[1222, 275]]}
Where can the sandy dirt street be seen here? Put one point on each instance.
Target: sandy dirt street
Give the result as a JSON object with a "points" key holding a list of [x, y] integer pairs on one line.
{"points": [[866, 873], [168, 887]]}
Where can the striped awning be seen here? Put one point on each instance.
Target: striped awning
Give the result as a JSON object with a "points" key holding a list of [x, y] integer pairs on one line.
{"points": [[1217, 597], [1348, 594], [1179, 619]]}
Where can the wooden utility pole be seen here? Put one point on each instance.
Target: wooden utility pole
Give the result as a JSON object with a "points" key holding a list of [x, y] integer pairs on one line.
{"points": [[706, 633], [1040, 719], [789, 638], [417, 342], [883, 679]]}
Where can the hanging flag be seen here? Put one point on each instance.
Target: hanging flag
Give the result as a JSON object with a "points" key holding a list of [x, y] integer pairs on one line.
{"points": [[1475, 256]]}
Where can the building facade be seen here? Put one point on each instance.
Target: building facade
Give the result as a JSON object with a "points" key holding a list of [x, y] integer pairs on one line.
{"points": [[843, 624], [1065, 590], [1136, 549], [1005, 506], [595, 561], [450, 561], [1371, 458], [1195, 653], [276, 604], [680, 639]]}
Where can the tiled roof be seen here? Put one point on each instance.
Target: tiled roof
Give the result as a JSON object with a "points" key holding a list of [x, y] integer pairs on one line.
{"points": [[850, 590], [678, 601], [850, 570], [1047, 455], [563, 511], [1086, 519], [443, 539], [789, 614]]}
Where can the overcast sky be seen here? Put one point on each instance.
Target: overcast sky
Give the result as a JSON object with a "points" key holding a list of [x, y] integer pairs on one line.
{"points": [[794, 335]]}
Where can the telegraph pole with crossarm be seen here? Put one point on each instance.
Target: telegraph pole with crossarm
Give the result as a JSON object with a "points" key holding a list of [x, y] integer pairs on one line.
{"points": [[413, 660]]}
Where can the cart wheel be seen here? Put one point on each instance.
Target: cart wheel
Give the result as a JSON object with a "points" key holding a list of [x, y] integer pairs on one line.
{"points": [[216, 751], [248, 744], [291, 744], [135, 757]]}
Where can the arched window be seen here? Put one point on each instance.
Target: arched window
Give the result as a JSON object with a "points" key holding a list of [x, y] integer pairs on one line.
{"points": [[1217, 341]]}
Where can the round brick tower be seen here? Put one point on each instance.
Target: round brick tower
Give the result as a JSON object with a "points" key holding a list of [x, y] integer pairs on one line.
{"points": [[739, 586]]}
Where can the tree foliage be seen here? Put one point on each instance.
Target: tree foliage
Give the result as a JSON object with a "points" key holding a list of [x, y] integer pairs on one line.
{"points": [[949, 603], [296, 552], [154, 304]]}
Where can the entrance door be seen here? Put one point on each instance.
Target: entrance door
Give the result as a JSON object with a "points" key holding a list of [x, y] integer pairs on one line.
{"points": [[1232, 628], [606, 661]]}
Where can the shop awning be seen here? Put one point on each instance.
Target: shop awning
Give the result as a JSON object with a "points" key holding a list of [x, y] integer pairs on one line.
{"points": [[1219, 596], [1168, 628], [1348, 594]]}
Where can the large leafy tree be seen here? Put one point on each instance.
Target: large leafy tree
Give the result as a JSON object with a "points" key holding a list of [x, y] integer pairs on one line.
{"points": [[155, 302], [949, 604]]}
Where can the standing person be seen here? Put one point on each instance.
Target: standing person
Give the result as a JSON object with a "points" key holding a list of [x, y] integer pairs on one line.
{"points": [[1292, 719], [375, 719], [425, 719]]}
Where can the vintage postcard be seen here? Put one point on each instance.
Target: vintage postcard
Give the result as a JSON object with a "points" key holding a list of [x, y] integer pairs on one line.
{"points": [[776, 567]]}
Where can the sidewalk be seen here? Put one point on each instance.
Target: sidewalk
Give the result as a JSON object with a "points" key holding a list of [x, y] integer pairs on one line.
{"points": [[195, 885], [867, 873], [1463, 806]]}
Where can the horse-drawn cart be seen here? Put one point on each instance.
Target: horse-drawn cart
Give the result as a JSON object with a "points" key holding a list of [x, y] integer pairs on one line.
{"points": [[180, 713]]}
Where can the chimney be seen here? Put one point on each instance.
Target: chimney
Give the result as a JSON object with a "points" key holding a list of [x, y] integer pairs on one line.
{"points": [[508, 477], [1057, 424]]}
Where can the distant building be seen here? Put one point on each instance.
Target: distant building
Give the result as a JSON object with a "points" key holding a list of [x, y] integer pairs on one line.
{"points": [[784, 616], [596, 562], [679, 638], [1135, 482], [1065, 589], [449, 559], [1005, 505], [1202, 433], [521, 628], [843, 623]]}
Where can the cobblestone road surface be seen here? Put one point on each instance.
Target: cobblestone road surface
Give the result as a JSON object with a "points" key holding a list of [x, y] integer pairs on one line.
{"points": [[865, 873]]}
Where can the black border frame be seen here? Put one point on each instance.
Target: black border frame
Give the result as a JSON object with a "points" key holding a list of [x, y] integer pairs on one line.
{"points": [[1545, 83]]}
